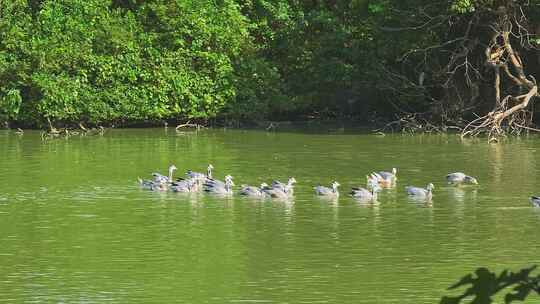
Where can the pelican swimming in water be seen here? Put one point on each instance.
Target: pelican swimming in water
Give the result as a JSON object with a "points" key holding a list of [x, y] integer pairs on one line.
{"points": [[160, 182], [159, 178], [369, 194], [201, 177], [185, 185], [326, 191], [420, 193], [385, 178], [253, 191], [152, 185], [460, 178], [287, 188], [219, 187]]}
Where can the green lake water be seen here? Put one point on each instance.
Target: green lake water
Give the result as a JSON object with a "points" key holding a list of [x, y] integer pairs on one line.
{"points": [[76, 228]]}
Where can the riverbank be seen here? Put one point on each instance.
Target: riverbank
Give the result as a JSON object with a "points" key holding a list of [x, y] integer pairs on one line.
{"points": [[269, 125], [404, 125]]}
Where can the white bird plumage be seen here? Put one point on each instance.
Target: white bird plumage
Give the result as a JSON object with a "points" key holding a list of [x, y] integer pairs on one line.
{"points": [[460, 178], [535, 200], [253, 191], [369, 194], [421, 193], [385, 178], [327, 191]]}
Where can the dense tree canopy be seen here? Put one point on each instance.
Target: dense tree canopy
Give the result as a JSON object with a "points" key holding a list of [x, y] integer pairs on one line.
{"points": [[117, 61], [99, 61]]}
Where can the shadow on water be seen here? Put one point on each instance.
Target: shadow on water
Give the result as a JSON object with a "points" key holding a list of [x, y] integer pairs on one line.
{"points": [[487, 284]]}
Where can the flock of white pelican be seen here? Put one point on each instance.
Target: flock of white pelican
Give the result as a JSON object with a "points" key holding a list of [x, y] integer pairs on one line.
{"points": [[376, 181]]}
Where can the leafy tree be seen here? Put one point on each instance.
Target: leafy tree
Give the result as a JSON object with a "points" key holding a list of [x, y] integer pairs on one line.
{"points": [[118, 61], [99, 61]]}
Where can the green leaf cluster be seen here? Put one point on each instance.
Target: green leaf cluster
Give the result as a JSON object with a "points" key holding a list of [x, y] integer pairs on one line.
{"points": [[105, 61], [117, 61]]}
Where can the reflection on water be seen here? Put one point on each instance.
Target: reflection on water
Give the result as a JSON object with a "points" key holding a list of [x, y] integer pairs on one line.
{"points": [[76, 228]]}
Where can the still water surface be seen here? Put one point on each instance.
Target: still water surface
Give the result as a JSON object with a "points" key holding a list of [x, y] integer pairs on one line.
{"points": [[75, 227]]}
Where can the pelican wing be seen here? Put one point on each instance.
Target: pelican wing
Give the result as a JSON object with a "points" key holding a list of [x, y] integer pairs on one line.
{"points": [[322, 190], [416, 191], [456, 177]]}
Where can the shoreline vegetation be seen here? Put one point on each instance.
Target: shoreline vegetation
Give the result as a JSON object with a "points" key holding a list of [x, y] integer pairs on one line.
{"points": [[330, 126], [403, 125], [468, 66]]}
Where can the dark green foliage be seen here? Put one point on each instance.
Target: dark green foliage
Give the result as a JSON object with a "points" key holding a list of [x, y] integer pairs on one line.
{"points": [[324, 54], [115, 61], [103, 61]]}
